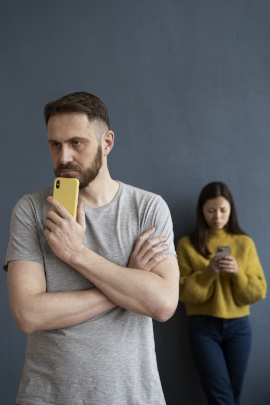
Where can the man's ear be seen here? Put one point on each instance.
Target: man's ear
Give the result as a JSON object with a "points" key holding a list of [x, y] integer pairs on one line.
{"points": [[108, 142]]}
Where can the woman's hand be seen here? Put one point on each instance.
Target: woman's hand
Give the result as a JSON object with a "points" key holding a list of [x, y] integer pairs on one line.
{"points": [[214, 265], [228, 264]]}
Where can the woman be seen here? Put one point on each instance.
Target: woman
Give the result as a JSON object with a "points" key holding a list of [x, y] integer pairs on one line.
{"points": [[217, 291]]}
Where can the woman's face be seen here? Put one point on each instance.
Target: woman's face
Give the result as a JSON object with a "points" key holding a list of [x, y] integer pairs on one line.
{"points": [[217, 213]]}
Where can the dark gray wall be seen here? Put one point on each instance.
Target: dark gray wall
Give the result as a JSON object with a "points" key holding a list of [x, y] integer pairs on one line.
{"points": [[187, 87]]}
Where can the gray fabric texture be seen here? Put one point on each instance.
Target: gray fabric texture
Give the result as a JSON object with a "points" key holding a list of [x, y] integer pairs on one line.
{"points": [[111, 358]]}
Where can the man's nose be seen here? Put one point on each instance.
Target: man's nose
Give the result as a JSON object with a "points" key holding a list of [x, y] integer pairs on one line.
{"points": [[65, 155]]}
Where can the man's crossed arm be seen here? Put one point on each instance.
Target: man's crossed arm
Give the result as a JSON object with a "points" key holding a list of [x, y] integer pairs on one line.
{"points": [[148, 286]]}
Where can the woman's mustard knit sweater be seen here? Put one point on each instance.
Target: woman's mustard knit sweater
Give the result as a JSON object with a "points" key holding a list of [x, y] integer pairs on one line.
{"points": [[223, 295]]}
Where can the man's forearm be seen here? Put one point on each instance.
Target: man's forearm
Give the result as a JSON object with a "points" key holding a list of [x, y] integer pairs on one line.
{"points": [[64, 309], [136, 290], [35, 309]]}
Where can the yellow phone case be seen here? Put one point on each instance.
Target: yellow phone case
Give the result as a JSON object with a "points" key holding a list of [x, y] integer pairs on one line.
{"points": [[66, 191]]}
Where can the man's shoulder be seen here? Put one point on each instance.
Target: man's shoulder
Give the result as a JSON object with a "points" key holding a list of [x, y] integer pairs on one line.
{"points": [[142, 202], [35, 199], [138, 193]]}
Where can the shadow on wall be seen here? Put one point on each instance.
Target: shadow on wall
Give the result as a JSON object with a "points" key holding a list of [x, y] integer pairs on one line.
{"points": [[175, 363]]}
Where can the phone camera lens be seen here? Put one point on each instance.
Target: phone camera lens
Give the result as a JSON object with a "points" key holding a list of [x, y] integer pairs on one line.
{"points": [[58, 184]]}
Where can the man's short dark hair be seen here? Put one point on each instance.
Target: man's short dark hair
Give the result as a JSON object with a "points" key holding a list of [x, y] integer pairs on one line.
{"points": [[81, 102]]}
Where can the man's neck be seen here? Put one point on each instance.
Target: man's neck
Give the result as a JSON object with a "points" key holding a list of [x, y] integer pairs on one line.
{"points": [[100, 192]]}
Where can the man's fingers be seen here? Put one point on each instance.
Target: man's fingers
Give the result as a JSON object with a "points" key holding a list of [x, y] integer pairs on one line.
{"points": [[155, 251], [151, 244], [50, 225], [148, 251], [59, 208], [53, 217], [142, 239], [156, 260]]}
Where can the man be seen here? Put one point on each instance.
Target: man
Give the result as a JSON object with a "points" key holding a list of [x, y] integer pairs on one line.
{"points": [[85, 291]]}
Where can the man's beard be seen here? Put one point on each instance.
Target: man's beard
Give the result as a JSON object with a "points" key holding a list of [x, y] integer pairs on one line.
{"points": [[86, 176]]}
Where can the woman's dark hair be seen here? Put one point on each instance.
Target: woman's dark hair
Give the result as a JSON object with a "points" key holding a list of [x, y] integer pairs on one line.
{"points": [[200, 236], [81, 102]]}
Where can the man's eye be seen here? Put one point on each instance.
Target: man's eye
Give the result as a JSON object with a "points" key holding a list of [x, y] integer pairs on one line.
{"points": [[55, 145], [76, 143]]}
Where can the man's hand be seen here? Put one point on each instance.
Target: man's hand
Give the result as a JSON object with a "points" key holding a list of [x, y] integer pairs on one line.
{"points": [[63, 233], [147, 252]]}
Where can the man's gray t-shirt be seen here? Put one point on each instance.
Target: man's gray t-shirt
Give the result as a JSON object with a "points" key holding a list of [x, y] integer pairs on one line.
{"points": [[111, 358]]}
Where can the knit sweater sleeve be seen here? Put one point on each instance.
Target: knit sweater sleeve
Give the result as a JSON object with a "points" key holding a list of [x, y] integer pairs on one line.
{"points": [[197, 284], [249, 284]]}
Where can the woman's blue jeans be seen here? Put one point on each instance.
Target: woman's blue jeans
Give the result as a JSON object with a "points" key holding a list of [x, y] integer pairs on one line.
{"points": [[220, 349]]}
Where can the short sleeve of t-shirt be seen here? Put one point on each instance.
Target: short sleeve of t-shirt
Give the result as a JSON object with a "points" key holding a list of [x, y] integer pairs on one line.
{"points": [[159, 216], [24, 240]]}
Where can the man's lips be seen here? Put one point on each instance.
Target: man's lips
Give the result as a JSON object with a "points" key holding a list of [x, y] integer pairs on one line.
{"points": [[67, 170]]}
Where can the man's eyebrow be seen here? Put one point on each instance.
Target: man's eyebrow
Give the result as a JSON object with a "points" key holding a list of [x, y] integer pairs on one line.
{"points": [[75, 138]]}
